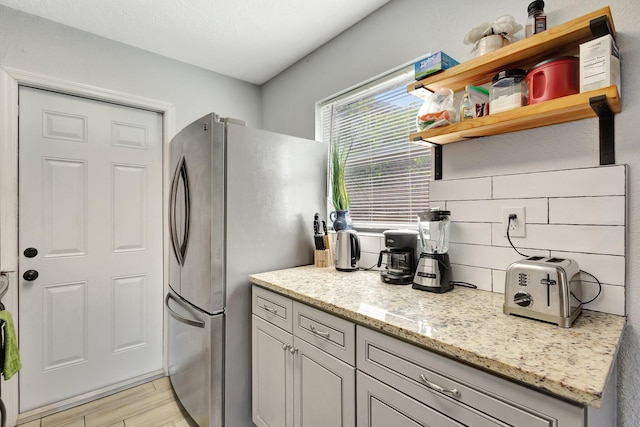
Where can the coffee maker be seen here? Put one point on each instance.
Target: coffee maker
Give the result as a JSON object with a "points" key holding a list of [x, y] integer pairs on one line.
{"points": [[402, 256], [434, 270]]}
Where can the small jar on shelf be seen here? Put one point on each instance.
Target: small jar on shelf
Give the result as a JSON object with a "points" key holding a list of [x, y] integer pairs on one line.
{"points": [[508, 91]]}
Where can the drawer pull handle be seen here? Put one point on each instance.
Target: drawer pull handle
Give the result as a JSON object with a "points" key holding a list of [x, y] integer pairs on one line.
{"points": [[293, 350], [436, 387], [317, 332], [285, 347], [269, 309]]}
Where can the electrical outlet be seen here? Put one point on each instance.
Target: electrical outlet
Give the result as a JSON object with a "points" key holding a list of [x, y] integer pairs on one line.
{"points": [[517, 225]]}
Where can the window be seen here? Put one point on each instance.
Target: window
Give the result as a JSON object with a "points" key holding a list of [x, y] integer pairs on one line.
{"points": [[387, 176]]}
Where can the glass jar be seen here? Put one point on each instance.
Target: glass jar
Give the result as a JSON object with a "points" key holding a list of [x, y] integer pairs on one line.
{"points": [[508, 91]]}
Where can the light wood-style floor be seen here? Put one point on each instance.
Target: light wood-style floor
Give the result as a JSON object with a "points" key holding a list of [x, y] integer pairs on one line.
{"points": [[152, 404]]}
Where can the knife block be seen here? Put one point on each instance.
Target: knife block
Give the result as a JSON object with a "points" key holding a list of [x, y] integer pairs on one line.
{"points": [[323, 258]]}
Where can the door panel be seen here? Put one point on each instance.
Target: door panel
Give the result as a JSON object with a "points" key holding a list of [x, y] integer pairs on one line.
{"points": [[64, 205], [64, 327], [129, 207], [90, 202]]}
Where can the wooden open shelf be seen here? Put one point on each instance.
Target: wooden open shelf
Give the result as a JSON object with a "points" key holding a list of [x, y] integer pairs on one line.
{"points": [[564, 39], [557, 41], [560, 110]]}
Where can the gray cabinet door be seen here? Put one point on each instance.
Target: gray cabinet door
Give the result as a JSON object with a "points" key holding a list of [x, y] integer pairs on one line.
{"points": [[272, 369], [324, 388]]}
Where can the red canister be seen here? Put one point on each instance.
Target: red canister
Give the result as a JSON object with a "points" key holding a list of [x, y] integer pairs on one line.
{"points": [[552, 79]]}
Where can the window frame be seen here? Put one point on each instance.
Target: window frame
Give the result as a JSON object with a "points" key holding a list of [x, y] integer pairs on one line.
{"points": [[359, 91]]}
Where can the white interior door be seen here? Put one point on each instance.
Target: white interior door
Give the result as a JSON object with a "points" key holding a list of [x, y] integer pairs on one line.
{"points": [[90, 205]]}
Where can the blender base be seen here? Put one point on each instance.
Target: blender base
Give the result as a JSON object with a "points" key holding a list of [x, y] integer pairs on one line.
{"points": [[436, 289]]}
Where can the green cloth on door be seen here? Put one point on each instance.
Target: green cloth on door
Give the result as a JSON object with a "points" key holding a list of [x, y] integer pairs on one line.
{"points": [[11, 354]]}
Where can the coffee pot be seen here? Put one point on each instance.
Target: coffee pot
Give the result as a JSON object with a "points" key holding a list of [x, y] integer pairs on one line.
{"points": [[347, 253], [402, 256]]}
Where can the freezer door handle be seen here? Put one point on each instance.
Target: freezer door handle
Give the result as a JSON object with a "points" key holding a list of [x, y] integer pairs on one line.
{"points": [[197, 323], [180, 247]]}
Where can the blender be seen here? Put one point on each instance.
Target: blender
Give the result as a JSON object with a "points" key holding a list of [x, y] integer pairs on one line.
{"points": [[433, 270]]}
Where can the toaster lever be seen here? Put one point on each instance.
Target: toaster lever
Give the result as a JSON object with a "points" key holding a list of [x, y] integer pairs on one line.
{"points": [[549, 282]]}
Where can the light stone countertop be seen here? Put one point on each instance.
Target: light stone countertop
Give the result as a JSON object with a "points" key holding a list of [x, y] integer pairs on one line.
{"points": [[467, 325]]}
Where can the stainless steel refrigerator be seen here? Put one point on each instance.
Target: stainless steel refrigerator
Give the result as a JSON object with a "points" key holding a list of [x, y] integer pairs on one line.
{"points": [[242, 201]]}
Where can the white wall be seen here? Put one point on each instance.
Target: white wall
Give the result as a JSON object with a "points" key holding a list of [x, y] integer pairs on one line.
{"points": [[33, 44], [407, 29]]}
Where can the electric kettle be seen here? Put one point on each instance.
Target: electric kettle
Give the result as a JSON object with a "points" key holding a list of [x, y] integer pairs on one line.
{"points": [[347, 250]]}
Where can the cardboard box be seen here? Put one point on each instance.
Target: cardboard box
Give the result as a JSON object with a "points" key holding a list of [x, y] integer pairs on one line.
{"points": [[599, 64], [432, 64]]}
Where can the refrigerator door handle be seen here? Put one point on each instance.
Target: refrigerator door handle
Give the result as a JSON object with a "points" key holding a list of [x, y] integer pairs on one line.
{"points": [[191, 322], [187, 209], [172, 213], [180, 247]]}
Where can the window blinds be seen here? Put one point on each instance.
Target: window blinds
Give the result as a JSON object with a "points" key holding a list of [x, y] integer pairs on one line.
{"points": [[387, 176]]}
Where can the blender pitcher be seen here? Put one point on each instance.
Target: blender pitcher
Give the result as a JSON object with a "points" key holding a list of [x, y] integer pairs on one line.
{"points": [[433, 271], [434, 227]]}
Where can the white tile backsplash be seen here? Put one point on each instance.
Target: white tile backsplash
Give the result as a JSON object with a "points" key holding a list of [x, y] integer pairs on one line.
{"points": [[493, 257], [536, 210], [611, 300], [498, 280], [608, 269], [595, 239], [577, 213], [476, 233], [460, 189], [606, 210], [371, 242], [481, 277], [601, 181]]}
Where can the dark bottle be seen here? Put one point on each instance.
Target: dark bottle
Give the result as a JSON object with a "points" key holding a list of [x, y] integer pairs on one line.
{"points": [[537, 21]]}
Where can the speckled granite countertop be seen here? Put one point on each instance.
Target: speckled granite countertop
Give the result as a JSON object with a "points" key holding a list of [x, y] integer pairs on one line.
{"points": [[467, 325]]}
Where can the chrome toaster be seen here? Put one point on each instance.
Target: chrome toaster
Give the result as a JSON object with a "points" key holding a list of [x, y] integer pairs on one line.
{"points": [[543, 288]]}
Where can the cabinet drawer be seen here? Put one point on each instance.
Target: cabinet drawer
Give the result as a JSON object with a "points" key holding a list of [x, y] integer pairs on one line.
{"points": [[411, 370], [332, 334], [272, 307], [381, 405]]}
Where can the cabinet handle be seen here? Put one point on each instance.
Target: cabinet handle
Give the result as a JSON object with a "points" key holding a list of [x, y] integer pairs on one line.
{"points": [[269, 309], [317, 332], [285, 346], [293, 350], [436, 387]]}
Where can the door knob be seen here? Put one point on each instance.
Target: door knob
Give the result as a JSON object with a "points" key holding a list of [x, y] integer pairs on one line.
{"points": [[30, 275]]}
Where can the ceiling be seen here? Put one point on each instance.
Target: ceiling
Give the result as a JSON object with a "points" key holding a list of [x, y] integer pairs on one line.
{"points": [[252, 40]]}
